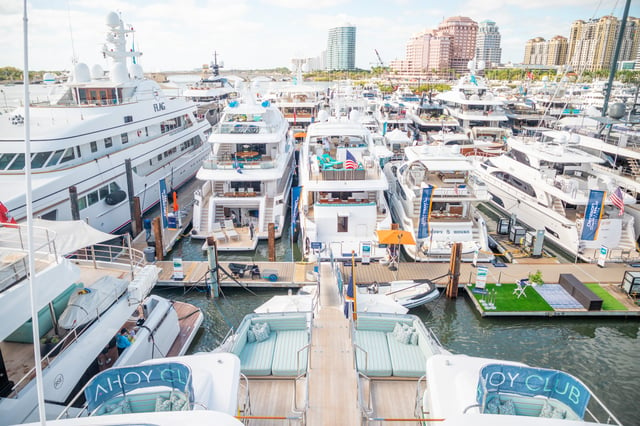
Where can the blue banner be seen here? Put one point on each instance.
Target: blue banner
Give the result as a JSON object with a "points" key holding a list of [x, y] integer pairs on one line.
{"points": [[529, 381], [120, 381], [592, 215], [425, 211], [164, 203], [295, 201]]}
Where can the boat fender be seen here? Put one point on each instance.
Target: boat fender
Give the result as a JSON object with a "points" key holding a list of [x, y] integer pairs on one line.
{"points": [[115, 197]]}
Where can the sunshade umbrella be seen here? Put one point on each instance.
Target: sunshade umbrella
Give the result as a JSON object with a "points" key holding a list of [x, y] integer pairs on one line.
{"points": [[300, 135], [395, 236]]}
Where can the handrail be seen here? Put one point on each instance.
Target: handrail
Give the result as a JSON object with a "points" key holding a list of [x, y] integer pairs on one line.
{"points": [[366, 410], [366, 356], [298, 356], [247, 398]]}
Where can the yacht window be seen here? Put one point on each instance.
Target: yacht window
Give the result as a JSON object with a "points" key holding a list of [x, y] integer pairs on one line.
{"points": [[82, 203], [78, 151], [5, 159], [40, 159], [108, 143], [55, 157], [94, 146], [124, 137], [92, 198], [128, 118], [103, 192], [18, 163], [68, 156]]}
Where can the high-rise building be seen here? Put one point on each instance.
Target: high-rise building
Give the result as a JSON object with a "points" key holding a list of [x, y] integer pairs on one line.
{"points": [[463, 33], [488, 44], [539, 51], [449, 47], [341, 48], [592, 43]]}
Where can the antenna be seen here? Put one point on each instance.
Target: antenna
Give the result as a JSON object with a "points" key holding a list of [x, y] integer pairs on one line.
{"points": [[74, 57]]}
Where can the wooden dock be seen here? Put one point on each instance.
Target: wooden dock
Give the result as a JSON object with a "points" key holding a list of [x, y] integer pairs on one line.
{"points": [[289, 274]]}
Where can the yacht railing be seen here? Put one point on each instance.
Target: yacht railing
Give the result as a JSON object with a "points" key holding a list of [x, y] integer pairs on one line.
{"points": [[226, 162]]}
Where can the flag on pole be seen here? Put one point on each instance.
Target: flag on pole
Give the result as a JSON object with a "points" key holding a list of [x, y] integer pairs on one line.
{"points": [[618, 200], [350, 162]]}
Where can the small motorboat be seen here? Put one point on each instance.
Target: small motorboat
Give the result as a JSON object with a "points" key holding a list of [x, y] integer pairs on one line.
{"points": [[408, 293]]}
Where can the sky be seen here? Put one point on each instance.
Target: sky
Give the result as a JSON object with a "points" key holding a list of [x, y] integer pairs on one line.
{"points": [[259, 34]]}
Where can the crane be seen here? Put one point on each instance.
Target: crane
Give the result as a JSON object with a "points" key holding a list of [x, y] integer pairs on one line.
{"points": [[380, 62]]}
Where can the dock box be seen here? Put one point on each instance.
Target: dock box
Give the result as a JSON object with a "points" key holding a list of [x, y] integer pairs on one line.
{"points": [[580, 292]]}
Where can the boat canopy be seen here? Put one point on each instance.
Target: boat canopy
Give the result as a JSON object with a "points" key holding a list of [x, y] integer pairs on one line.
{"points": [[530, 381], [72, 235], [121, 381]]}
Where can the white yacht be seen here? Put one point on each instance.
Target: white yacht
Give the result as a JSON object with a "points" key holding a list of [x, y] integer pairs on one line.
{"points": [[85, 132], [199, 389], [429, 117], [300, 104], [342, 198], [452, 217], [212, 92], [77, 320], [546, 181], [472, 103], [247, 177], [464, 390]]}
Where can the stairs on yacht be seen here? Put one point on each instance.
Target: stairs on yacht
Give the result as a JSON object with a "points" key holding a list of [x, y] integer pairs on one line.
{"points": [[634, 167], [557, 206]]}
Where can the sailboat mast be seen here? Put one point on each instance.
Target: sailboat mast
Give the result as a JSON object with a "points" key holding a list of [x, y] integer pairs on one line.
{"points": [[614, 61], [30, 248]]}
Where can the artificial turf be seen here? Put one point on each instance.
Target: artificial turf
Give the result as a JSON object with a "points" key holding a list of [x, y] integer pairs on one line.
{"points": [[506, 301], [609, 303]]}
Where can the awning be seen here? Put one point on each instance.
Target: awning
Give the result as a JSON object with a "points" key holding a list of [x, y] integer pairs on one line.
{"points": [[300, 135]]}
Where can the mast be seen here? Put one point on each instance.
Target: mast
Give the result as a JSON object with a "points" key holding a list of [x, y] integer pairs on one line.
{"points": [[614, 61]]}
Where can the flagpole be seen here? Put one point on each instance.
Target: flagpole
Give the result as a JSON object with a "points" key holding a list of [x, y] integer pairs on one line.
{"points": [[355, 287], [29, 200]]}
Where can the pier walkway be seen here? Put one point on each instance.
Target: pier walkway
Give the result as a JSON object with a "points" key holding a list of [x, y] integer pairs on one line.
{"points": [[333, 384]]}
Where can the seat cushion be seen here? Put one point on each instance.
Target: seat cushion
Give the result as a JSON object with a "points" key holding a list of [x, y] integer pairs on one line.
{"points": [[407, 360], [256, 357], [376, 361], [286, 358]]}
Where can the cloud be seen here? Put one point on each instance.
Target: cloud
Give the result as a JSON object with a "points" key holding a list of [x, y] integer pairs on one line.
{"points": [[305, 4]]}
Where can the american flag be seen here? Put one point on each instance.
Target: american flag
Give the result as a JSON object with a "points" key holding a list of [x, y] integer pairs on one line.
{"points": [[617, 200], [351, 162]]}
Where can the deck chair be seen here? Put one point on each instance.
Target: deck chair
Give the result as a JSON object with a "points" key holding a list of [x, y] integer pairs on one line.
{"points": [[521, 286], [218, 233], [230, 231]]}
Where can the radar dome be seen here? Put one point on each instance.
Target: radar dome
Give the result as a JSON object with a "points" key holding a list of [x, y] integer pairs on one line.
{"points": [[113, 20], [616, 110], [119, 73], [135, 71], [354, 115], [323, 115], [81, 73], [471, 65], [481, 65], [97, 72], [574, 138], [49, 78]]}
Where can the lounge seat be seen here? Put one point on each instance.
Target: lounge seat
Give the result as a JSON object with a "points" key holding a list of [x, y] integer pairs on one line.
{"points": [[256, 358], [407, 360], [229, 229], [288, 359], [217, 232]]}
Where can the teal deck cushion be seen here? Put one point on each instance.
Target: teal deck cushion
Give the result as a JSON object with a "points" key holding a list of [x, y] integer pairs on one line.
{"points": [[407, 360], [286, 358], [256, 358], [376, 362]]}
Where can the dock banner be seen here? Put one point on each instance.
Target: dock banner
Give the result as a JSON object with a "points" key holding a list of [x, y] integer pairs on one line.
{"points": [[164, 203], [425, 211], [295, 201], [592, 215]]}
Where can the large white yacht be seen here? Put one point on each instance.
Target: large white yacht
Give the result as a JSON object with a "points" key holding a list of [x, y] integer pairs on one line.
{"points": [[546, 180], [472, 103], [85, 132], [83, 299], [247, 178], [300, 104], [342, 198], [453, 217]]}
